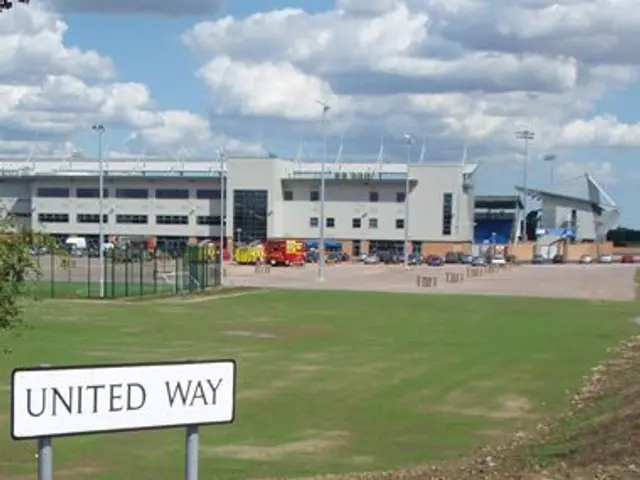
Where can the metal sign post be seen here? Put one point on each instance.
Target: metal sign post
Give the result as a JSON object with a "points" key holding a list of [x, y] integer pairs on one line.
{"points": [[45, 459], [192, 445]]}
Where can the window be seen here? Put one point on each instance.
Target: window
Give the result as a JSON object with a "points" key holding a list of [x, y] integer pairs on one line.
{"points": [[208, 220], [91, 218], [314, 196], [288, 195], [91, 193], [356, 223], [172, 194], [132, 219], [314, 222], [172, 220], [399, 223], [447, 213], [53, 192], [132, 193], [331, 222], [251, 214], [373, 223], [53, 218], [208, 194], [400, 197], [374, 197]]}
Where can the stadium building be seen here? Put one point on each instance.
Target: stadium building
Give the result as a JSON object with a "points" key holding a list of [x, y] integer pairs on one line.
{"points": [[180, 201]]}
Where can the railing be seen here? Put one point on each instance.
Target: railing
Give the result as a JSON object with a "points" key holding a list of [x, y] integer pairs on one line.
{"points": [[126, 274]]}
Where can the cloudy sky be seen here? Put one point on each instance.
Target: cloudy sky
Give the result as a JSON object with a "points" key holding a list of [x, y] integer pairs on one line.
{"points": [[189, 76]]}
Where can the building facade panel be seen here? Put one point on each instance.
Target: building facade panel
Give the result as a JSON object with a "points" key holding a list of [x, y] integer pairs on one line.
{"points": [[265, 197]]}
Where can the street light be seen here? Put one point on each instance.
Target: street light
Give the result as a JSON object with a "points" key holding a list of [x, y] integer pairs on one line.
{"points": [[550, 158], [100, 130], [408, 139], [321, 256], [527, 136], [223, 222]]}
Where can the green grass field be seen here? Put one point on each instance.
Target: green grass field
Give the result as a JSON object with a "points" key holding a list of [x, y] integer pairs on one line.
{"points": [[328, 381]]}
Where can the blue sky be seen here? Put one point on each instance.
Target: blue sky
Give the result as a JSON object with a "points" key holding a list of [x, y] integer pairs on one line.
{"points": [[229, 77]]}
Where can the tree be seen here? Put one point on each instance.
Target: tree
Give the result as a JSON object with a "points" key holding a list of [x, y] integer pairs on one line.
{"points": [[18, 268]]}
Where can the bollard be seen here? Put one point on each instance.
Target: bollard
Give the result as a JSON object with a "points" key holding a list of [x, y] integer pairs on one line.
{"points": [[418, 280]]}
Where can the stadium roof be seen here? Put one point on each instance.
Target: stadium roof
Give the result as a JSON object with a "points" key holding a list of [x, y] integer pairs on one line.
{"points": [[186, 167]]}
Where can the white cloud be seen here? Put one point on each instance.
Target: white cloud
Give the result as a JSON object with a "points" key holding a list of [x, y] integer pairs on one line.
{"points": [[603, 172], [50, 92], [458, 71], [161, 7]]}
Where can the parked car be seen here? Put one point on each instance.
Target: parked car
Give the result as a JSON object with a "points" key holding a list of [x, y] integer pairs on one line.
{"points": [[605, 259], [434, 261], [466, 259], [416, 259], [478, 262], [498, 260], [558, 259], [586, 259], [627, 259], [452, 257], [372, 259], [538, 259]]}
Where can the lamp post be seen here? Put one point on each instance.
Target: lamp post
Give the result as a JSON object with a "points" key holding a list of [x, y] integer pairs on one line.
{"points": [[223, 222], [550, 158], [100, 130], [527, 136], [409, 142], [321, 256]]}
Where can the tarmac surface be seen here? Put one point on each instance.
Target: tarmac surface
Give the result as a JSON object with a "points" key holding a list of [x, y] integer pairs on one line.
{"points": [[596, 282]]}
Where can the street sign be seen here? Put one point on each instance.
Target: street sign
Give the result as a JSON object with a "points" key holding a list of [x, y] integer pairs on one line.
{"points": [[58, 401]]}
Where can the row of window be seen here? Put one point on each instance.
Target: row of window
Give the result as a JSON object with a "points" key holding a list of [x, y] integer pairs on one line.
{"points": [[314, 222], [314, 196], [129, 219], [130, 193]]}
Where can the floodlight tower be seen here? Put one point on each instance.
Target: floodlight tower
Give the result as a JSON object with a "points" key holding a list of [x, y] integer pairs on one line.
{"points": [[527, 136], [321, 257], [100, 130], [550, 159]]}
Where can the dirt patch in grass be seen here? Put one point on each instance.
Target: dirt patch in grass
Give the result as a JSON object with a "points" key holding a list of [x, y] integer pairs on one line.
{"points": [[313, 443], [509, 406]]}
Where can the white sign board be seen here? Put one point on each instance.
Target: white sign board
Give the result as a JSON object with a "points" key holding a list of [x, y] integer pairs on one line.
{"points": [[48, 402]]}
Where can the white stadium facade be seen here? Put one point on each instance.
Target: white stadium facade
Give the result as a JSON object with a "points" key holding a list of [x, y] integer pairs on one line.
{"points": [[265, 197]]}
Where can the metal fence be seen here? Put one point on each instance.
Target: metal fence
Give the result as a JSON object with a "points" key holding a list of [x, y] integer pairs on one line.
{"points": [[125, 275]]}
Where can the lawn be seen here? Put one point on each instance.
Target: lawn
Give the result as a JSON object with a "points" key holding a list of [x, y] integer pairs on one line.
{"points": [[328, 381]]}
